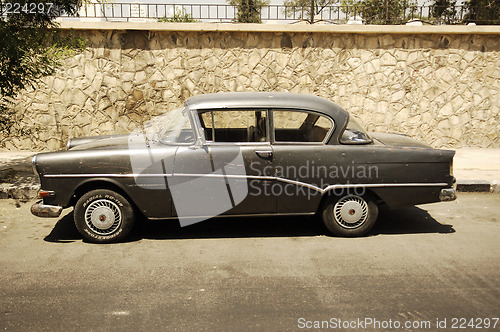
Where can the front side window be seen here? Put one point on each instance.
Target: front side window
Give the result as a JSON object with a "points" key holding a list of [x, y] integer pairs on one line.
{"points": [[300, 126], [237, 126]]}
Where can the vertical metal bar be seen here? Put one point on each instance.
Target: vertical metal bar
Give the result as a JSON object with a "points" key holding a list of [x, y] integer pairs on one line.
{"points": [[386, 11], [312, 12]]}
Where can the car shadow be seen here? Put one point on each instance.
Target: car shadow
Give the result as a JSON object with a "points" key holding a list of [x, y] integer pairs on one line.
{"points": [[408, 220], [64, 231]]}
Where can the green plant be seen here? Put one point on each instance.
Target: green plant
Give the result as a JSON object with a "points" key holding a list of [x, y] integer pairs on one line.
{"points": [[306, 9], [179, 16], [248, 11], [32, 47], [381, 11], [483, 11]]}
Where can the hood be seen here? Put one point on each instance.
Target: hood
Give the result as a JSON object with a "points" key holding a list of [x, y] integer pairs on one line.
{"points": [[398, 140], [99, 142]]}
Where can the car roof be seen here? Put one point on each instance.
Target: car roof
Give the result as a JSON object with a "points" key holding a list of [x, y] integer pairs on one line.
{"points": [[266, 100]]}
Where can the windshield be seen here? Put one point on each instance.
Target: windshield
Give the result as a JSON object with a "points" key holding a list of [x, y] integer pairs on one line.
{"points": [[176, 127], [355, 133], [172, 127]]}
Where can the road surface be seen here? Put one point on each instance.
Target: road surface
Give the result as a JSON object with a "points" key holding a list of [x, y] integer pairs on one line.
{"points": [[421, 268]]}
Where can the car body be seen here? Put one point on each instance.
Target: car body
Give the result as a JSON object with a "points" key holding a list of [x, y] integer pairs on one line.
{"points": [[241, 154]]}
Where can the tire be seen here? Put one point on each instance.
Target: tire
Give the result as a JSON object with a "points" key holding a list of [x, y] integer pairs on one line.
{"points": [[350, 215], [103, 216]]}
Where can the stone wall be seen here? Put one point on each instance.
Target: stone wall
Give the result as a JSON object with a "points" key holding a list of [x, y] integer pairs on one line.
{"points": [[439, 88]]}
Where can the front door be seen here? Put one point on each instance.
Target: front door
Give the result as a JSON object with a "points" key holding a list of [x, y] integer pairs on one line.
{"points": [[232, 173]]}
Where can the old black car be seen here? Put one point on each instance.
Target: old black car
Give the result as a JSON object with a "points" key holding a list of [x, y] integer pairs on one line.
{"points": [[241, 154]]}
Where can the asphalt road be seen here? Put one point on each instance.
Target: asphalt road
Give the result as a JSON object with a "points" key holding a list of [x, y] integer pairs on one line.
{"points": [[420, 266]]}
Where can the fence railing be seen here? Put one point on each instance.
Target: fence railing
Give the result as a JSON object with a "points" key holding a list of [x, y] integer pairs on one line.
{"points": [[458, 14]]}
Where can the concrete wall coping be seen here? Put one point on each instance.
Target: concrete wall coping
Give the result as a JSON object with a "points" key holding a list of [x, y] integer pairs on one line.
{"points": [[292, 28]]}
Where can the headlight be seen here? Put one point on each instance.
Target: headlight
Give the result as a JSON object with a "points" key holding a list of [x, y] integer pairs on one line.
{"points": [[68, 145], [33, 164]]}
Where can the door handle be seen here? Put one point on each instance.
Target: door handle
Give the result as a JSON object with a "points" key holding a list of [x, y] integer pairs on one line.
{"points": [[264, 154]]}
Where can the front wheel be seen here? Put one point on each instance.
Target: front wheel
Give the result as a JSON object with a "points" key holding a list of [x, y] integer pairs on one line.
{"points": [[349, 215], [103, 216]]}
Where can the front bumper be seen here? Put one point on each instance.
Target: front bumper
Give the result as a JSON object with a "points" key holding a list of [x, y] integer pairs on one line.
{"points": [[447, 194], [46, 211]]}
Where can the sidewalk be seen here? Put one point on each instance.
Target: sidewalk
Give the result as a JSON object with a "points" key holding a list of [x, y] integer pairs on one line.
{"points": [[17, 179], [475, 170]]}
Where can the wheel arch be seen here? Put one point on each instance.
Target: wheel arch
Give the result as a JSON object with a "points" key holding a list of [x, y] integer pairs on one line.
{"points": [[350, 212], [94, 184], [359, 191]]}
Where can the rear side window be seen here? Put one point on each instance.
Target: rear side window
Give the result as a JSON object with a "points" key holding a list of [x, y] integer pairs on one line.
{"points": [[300, 126]]}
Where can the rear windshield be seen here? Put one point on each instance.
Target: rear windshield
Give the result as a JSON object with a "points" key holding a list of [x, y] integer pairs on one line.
{"points": [[355, 133]]}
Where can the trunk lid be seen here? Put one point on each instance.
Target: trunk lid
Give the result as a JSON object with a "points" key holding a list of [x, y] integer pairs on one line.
{"points": [[398, 140]]}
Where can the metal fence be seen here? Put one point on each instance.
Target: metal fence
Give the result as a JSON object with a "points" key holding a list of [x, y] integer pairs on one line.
{"points": [[458, 14]]}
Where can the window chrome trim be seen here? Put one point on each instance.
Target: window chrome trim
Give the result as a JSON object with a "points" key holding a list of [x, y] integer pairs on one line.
{"points": [[196, 113], [239, 143], [325, 140]]}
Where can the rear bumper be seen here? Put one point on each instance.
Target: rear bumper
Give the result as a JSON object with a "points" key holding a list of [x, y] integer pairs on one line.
{"points": [[46, 211], [447, 194]]}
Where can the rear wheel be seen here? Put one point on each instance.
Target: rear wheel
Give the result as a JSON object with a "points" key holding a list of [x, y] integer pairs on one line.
{"points": [[350, 215], [103, 216]]}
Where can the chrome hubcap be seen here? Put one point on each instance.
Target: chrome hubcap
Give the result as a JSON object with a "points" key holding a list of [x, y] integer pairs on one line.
{"points": [[351, 211], [103, 216]]}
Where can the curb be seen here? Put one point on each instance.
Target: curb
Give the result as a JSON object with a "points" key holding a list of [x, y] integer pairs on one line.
{"points": [[22, 193], [478, 186]]}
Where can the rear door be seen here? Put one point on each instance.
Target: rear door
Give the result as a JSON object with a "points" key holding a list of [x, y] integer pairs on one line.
{"points": [[302, 160]]}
